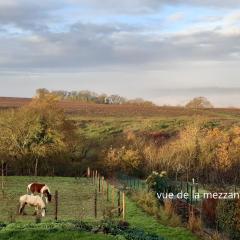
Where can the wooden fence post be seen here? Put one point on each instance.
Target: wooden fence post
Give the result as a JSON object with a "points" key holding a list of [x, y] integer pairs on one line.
{"points": [[95, 203], [88, 172], [119, 203], [56, 205], [124, 206]]}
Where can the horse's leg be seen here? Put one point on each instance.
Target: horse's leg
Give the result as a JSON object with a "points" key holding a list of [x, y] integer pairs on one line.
{"points": [[43, 212], [36, 211], [21, 208]]}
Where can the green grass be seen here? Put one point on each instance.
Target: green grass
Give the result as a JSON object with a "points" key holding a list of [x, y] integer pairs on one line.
{"points": [[99, 129], [76, 198], [140, 219]]}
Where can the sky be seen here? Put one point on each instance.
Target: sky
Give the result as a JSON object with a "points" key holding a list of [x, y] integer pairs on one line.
{"points": [[166, 51]]}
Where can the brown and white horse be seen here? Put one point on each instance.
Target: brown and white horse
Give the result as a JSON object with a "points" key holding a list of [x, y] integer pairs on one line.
{"points": [[35, 201], [42, 189]]}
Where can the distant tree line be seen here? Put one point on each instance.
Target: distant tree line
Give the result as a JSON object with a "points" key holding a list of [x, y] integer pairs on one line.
{"points": [[86, 96]]}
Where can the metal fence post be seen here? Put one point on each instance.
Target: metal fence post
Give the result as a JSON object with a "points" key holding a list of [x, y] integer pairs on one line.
{"points": [[119, 204], [95, 203], [99, 183], [56, 205]]}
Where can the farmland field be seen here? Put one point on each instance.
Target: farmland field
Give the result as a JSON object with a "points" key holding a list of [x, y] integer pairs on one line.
{"points": [[123, 110]]}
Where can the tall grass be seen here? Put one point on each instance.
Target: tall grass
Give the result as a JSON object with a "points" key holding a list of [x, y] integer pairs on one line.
{"points": [[165, 214]]}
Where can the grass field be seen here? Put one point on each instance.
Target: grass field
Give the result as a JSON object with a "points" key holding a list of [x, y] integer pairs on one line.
{"points": [[76, 198], [76, 202]]}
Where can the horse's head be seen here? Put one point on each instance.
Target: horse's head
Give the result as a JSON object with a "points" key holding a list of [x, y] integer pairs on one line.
{"points": [[49, 196]]}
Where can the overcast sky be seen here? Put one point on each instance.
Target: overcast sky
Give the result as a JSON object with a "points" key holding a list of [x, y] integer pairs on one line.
{"points": [[167, 51]]}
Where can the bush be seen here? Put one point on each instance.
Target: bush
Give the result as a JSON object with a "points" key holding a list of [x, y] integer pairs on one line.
{"points": [[228, 217], [194, 223], [160, 183], [120, 229]]}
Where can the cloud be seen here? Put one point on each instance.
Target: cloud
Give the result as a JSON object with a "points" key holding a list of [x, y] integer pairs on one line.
{"points": [[179, 16], [149, 6], [88, 45], [27, 14]]}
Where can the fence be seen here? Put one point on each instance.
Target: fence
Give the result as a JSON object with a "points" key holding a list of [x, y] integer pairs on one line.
{"points": [[91, 198], [114, 197], [194, 191], [132, 183]]}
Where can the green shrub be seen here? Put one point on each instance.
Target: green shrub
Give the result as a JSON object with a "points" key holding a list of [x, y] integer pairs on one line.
{"points": [[120, 229], [228, 217]]}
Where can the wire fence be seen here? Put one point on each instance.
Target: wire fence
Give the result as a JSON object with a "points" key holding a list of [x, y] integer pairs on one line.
{"points": [[89, 199]]}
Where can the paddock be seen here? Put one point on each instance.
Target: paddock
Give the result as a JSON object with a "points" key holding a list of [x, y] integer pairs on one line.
{"points": [[75, 200]]}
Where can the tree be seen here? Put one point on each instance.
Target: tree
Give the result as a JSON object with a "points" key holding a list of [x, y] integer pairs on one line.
{"points": [[41, 92], [36, 131], [124, 159], [199, 102]]}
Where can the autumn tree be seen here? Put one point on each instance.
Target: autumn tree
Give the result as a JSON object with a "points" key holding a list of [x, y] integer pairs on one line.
{"points": [[36, 131], [128, 160], [199, 102]]}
